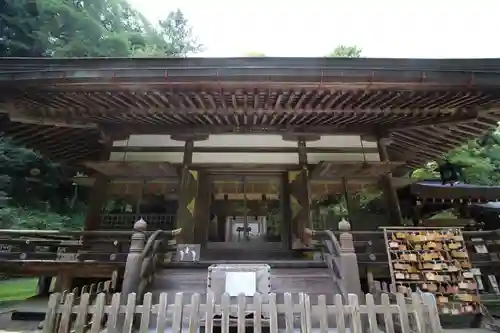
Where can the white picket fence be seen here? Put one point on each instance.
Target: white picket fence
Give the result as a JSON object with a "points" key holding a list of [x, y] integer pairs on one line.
{"points": [[65, 316]]}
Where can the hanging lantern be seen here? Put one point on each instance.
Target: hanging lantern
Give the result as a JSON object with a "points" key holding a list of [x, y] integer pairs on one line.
{"points": [[449, 173], [35, 172]]}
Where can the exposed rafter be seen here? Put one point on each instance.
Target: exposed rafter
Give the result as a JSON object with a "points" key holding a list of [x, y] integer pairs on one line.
{"points": [[62, 107]]}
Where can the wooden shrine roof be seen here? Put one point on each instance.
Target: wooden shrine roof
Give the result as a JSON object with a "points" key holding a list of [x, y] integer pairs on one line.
{"points": [[63, 107], [437, 192]]}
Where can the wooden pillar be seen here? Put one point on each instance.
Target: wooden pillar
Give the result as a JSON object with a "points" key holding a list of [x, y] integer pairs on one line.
{"points": [[202, 209], [98, 194], [286, 214], [300, 201], [43, 285], [390, 193], [188, 190], [416, 213], [221, 227], [64, 282]]}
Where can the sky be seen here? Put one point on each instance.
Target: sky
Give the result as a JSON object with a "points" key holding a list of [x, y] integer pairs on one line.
{"points": [[313, 28]]}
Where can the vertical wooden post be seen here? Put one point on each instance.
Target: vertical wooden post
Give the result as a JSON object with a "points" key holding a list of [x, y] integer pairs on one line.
{"points": [[64, 282], [99, 192], [389, 191], [202, 209], [221, 227], [245, 211], [188, 190], [347, 198], [133, 265], [300, 200], [43, 285], [286, 214], [416, 213]]}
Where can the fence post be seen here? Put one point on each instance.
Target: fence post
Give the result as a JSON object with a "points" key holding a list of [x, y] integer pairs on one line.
{"points": [[133, 266], [349, 261]]}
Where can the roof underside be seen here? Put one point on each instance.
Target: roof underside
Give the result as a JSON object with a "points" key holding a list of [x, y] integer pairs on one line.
{"points": [[63, 106], [435, 191]]}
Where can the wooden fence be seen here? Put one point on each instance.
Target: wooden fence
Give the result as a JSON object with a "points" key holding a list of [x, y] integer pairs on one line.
{"points": [[131, 314]]}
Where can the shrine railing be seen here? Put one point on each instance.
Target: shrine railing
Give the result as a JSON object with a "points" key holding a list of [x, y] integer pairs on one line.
{"points": [[145, 256], [98, 246], [126, 221], [340, 257], [64, 246]]}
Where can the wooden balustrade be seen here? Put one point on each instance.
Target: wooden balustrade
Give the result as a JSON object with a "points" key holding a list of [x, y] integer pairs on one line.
{"points": [[126, 221], [56, 246], [341, 258], [144, 257], [122, 315]]}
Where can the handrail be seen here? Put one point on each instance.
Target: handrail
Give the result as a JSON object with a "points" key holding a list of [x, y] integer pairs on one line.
{"points": [[333, 259], [152, 239], [147, 257], [67, 233], [81, 232], [327, 233], [381, 232]]}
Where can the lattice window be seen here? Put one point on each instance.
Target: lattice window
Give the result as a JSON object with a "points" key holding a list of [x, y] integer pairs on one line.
{"points": [[126, 221]]}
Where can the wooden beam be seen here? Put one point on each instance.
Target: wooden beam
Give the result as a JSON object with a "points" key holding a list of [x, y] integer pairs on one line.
{"points": [[309, 150], [248, 129], [300, 195], [356, 129], [188, 191], [388, 188]]}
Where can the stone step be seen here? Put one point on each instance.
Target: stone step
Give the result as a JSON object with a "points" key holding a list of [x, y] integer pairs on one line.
{"points": [[249, 254], [314, 280]]}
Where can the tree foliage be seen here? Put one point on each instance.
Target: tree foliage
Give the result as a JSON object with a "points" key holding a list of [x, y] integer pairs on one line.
{"points": [[345, 51], [479, 160], [89, 28], [37, 189], [255, 54]]}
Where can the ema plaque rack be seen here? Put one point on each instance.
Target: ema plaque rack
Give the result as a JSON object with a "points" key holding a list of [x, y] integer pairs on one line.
{"points": [[433, 260]]}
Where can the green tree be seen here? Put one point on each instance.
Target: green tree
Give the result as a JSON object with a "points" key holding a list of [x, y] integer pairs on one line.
{"points": [[479, 160], [19, 36], [177, 35], [255, 54], [89, 28], [346, 51]]}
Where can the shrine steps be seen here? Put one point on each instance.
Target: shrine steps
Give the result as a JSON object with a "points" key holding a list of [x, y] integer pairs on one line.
{"points": [[293, 276]]}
